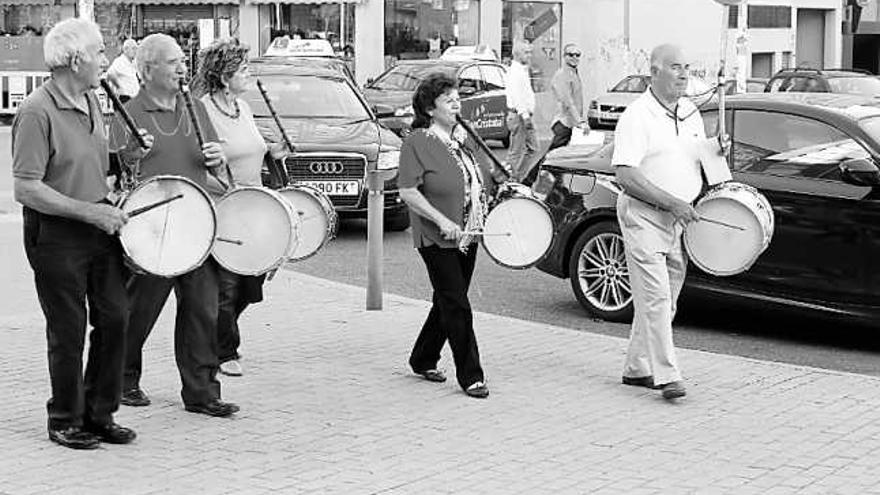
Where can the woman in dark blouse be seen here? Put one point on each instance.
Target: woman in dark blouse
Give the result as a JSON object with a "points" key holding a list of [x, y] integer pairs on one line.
{"points": [[446, 191]]}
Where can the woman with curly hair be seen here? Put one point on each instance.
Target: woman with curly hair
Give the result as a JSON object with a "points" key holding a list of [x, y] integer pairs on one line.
{"points": [[223, 76], [446, 190]]}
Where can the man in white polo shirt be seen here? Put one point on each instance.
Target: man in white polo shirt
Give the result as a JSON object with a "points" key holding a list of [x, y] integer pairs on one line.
{"points": [[123, 72], [656, 162]]}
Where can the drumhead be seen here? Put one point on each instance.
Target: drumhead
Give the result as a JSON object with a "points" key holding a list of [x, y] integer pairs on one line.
{"points": [[721, 250], [317, 218], [518, 232], [171, 239], [262, 226]]}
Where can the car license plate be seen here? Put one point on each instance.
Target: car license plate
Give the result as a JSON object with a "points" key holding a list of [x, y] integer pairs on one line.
{"points": [[609, 116], [335, 187]]}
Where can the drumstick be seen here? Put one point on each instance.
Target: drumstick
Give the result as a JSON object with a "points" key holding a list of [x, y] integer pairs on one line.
{"points": [[197, 127], [143, 209], [723, 224], [275, 117], [482, 144], [485, 234], [126, 117], [231, 241]]}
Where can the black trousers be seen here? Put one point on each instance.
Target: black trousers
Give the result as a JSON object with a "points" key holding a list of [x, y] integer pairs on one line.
{"points": [[195, 332], [237, 292], [76, 264], [450, 317], [561, 135]]}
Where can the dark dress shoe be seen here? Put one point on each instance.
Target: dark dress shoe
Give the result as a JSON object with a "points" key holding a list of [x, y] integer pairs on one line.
{"points": [[134, 397], [640, 381], [673, 390], [477, 390], [432, 375], [216, 408], [111, 433], [74, 437]]}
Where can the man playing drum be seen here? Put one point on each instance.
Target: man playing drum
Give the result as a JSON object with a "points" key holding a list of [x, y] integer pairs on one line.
{"points": [[656, 162], [60, 165], [159, 108]]}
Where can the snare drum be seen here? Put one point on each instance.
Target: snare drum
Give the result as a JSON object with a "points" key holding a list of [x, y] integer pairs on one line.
{"points": [[721, 250], [518, 231], [171, 239], [256, 229], [318, 218]]}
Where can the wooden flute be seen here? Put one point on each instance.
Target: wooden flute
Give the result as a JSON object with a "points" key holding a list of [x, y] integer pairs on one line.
{"points": [[197, 127]]}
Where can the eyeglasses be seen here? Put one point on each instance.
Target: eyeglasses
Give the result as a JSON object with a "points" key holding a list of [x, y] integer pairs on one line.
{"points": [[574, 54]]}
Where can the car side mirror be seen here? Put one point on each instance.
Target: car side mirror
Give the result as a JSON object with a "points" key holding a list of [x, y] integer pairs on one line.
{"points": [[383, 111], [860, 172], [467, 91]]}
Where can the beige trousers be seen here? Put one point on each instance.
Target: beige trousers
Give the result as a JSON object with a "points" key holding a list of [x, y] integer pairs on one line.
{"points": [[657, 265]]}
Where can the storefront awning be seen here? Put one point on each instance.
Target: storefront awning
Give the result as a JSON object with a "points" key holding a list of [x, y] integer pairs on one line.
{"points": [[264, 2], [169, 2], [35, 2]]}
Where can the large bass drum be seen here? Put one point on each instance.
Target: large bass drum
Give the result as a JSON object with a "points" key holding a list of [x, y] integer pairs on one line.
{"points": [[171, 239], [725, 250], [256, 230], [317, 216], [518, 231]]}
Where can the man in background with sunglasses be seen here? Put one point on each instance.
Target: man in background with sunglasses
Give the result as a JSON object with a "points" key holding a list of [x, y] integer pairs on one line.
{"points": [[569, 95]]}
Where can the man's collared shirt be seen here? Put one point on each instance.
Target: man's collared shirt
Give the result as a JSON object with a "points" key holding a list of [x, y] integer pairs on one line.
{"points": [[124, 74], [665, 149], [520, 95], [569, 94], [55, 141]]}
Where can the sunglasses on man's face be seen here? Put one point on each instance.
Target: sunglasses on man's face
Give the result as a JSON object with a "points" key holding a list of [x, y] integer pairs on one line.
{"points": [[574, 54]]}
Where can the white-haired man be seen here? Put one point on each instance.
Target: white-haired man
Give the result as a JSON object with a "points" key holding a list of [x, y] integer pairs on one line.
{"points": [[123, 72], [161, 110], [656, 163], [520, 110], [60, 166]]}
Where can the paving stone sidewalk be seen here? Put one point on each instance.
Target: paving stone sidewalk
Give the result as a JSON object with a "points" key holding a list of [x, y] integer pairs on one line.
{"points": [[329, 407]]}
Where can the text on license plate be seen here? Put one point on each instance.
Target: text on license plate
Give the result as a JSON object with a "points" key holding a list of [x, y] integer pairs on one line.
{"points": [[335, 187]]}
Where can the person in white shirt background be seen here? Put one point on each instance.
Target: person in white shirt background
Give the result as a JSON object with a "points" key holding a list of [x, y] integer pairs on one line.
{"points": [[123, 72], [520, 109]]}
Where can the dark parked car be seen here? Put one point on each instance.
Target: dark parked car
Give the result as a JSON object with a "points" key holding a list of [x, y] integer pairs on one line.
{"points": [[337, 137], [481, 87], [814, 156], [824, 81]]}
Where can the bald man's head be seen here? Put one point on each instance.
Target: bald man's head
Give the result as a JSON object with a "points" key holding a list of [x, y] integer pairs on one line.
{"points": [[669, 71]]}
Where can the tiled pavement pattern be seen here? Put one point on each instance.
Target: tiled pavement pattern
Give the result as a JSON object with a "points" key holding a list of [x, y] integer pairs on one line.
{"points": [[329, 407]]}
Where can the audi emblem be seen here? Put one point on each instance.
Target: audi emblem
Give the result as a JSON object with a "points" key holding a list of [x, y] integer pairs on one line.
{"points": [[326, 168]]}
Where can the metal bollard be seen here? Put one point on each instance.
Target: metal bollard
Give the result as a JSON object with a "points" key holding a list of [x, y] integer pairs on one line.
{"points": [[375, 231]]}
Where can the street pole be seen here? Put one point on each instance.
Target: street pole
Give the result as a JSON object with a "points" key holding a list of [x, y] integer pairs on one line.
{"points": [[86, 9], [375, 212]]}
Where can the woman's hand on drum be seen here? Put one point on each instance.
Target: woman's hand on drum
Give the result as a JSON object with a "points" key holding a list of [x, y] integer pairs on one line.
{"points": [[449, 229], [106, 217], [213, 153], [684, 212]]}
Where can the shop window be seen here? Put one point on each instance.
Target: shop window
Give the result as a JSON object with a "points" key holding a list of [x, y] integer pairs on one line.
{"points": [[769, 16], [539, 23], [331, 22], [418, 29]]}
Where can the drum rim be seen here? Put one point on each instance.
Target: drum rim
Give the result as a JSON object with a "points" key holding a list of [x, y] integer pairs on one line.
{"points": [[546, 251], [205, 195], [332, 218], [282, 259]]}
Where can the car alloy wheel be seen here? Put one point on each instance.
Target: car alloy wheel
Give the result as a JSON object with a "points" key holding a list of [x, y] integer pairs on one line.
{"points": [[599, 275]]}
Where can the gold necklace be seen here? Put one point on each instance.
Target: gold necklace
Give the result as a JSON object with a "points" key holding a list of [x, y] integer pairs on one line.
{"points": [[231, 115], [180, 121]]}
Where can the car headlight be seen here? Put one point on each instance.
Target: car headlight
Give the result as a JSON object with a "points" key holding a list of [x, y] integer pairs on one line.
{"points": [[388, 159], [404, 111]]}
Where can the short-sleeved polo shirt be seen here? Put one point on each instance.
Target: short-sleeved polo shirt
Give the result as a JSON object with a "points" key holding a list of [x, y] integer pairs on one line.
{"points": [[176, 149], [663, 147], [60, 144]]}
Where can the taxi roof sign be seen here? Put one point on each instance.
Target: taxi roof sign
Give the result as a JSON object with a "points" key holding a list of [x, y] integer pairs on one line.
{"points": [[284, 46]]}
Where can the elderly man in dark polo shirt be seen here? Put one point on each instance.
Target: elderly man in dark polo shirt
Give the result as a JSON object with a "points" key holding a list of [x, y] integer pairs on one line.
{"points": [[159, 108], [60, 166]]}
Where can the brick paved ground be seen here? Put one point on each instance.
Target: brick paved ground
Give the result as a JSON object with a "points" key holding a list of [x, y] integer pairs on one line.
{"points": [[329, 407]]}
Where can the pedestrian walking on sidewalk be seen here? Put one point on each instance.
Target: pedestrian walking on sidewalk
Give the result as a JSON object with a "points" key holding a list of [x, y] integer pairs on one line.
{"points": [[160, 108], [446, 191], [60, 162], [123, 72], [223, 76], [568, 93], [520, 110], [657, 167]]}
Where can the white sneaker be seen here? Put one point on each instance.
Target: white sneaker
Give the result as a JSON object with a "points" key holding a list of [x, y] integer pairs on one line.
{"points": [[231, 368]]}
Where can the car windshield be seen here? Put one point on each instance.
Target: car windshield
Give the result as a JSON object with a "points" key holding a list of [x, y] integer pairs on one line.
{"points": [[305, 96], [856, 85], [403, 77], [631, 85]]}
